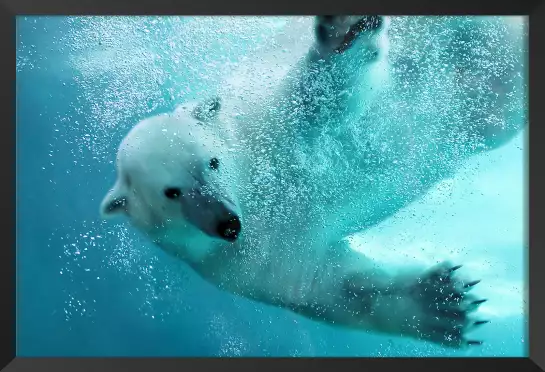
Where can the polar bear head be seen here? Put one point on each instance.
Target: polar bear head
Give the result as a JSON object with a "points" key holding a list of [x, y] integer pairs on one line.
{"points": [[174, 180]]}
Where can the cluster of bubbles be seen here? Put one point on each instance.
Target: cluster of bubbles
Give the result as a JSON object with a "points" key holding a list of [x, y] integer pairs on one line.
{"points": [[128, 68], [102, 252], [231, 343], [75, 258]]}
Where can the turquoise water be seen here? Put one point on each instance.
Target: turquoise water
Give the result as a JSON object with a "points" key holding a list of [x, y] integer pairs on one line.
{"points": [[87, 287]]}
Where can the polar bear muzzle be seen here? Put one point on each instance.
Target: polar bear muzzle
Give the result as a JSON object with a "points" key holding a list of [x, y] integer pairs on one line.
{"points": [[229, 229]]}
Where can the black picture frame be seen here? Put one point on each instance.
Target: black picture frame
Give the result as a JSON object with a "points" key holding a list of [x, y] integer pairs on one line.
{"points": [[534, 9]]}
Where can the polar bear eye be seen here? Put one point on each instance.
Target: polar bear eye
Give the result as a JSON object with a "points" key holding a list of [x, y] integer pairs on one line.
{"points": [[173, 192], [214, 163]]}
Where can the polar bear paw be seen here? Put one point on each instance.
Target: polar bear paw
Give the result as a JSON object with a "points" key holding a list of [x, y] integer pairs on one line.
{"points": [[339, 32], [445, 307]]}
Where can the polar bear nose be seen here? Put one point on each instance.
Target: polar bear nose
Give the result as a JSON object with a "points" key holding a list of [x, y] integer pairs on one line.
{"points": [[229, 229]]}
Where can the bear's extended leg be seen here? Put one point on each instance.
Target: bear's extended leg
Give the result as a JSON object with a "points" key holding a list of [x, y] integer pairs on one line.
{"points": [[345, 65], [435, 306]]}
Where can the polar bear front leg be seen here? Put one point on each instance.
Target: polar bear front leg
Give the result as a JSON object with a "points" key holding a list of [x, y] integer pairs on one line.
{"points": [[434, 306], [345, 66]]}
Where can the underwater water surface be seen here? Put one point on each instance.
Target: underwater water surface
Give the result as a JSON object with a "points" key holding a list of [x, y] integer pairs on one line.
{"points": [[87, 287]]}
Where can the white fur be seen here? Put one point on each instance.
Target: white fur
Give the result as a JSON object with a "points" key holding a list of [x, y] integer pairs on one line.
{"points": [[305, 162]]}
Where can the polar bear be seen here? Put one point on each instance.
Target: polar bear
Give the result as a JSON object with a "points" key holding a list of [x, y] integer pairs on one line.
{"points": [[257, 188]]}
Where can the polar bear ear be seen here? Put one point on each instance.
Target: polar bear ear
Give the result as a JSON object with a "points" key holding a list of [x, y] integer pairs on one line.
{"points": [[114, 203], [207, 110]]}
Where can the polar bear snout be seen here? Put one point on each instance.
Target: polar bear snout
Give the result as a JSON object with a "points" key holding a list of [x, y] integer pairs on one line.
{"points": [[220, 223], [229, 229], [211, 212]]}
